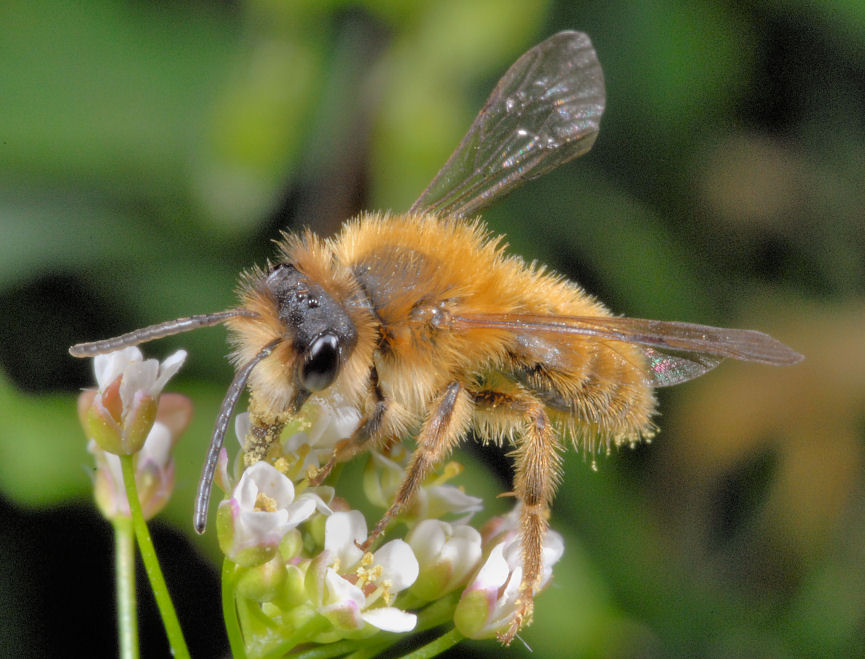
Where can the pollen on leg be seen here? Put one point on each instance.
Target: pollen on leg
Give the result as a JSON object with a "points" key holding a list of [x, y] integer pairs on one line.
{"points": [[522, 617], [538, 465]]}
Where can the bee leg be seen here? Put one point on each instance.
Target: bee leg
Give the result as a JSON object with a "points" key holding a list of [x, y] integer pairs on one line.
{"points": [[445, 426], [364, 434], [538, 468], [265, 427]]}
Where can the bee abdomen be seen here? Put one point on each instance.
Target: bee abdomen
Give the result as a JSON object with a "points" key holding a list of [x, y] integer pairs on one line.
{"points": [[607, 391]]}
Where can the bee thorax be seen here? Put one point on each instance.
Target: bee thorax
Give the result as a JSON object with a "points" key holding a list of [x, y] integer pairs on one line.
{"points": [[435, 316]]}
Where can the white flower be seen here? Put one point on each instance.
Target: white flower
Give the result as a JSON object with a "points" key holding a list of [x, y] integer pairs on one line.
{"points": [[121, 413], [140, 376], [384, 477], [332, 424], [447, 554], [487, 606], [354, 588], [261, 510]]}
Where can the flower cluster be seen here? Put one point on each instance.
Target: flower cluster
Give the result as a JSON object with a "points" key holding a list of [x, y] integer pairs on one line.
{"points": [[299, 576], [295, 575], [129, 415]]}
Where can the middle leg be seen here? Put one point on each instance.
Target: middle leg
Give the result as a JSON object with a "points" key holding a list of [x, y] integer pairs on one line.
{"points": [[446, 425]]}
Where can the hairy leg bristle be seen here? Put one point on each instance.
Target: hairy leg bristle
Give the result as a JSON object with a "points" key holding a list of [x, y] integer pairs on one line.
{"points": [[442, 430]]}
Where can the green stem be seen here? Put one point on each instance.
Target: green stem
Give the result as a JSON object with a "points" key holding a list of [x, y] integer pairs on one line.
{"points": [[229, 611], [436, 647], [308, 630], [124, 577], [370, 650], [337, 649], [437, 613], [151, 563]]}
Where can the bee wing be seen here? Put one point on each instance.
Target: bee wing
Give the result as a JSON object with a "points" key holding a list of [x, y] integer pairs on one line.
{"points": [[667, 369], [542, 113], [676, 351]]}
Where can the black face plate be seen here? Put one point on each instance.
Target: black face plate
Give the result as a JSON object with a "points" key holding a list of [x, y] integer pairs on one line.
{"points": [[310, 315]]}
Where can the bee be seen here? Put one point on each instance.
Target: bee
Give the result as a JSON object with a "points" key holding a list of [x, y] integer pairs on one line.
{"points": [[430, 328]]}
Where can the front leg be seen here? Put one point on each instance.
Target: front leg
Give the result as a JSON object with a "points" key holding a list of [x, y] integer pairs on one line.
{"points": [[366, 433], [446, 425]]}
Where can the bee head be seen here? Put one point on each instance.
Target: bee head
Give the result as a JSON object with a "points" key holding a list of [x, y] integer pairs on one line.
{"points": [[319, 331]]}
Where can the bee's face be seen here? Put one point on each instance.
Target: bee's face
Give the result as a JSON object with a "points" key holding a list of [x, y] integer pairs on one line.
{"points": [[320, 332]]}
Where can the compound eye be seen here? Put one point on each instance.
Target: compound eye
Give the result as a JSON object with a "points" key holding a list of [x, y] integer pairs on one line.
{"points": [[321, 363]]}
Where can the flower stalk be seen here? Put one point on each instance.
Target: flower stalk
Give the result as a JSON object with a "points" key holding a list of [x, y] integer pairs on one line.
{"points": [[131, 430], [434, 648], [229, 611], [151, 563], [124, 579]]}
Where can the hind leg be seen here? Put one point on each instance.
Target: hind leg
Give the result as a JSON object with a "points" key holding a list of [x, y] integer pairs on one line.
{"points": [[538, 468]]}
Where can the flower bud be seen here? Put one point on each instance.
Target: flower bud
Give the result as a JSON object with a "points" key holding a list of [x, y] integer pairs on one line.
{"points": [[447, 555], [293, 591], [120, 414], [262, 583], [291, 544], [154, 464]]}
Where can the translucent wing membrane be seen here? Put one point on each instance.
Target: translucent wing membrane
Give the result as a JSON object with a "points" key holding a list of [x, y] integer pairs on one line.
{"points": [[676, 351], [665, 369], [543, 112]]}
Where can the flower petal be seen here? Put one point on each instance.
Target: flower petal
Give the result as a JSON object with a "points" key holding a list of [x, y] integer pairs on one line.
{"points": [[427, 539], [494, 572], [341, 531], [241, 427], [390, 619], [443, 499], [270, 481], [342, 602], [157, 446], [398, 564], [167, 369], [109, 367]]}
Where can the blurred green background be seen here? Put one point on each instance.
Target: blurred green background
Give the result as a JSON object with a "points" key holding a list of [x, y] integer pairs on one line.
{"points": [[149, 151]]}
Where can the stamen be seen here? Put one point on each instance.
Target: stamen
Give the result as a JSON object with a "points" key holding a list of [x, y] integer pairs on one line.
{"points": [[451, 470], [264, 503]]}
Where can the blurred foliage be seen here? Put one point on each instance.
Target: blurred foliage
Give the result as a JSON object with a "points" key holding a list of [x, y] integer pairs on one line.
{"points": [[149, 151]]}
